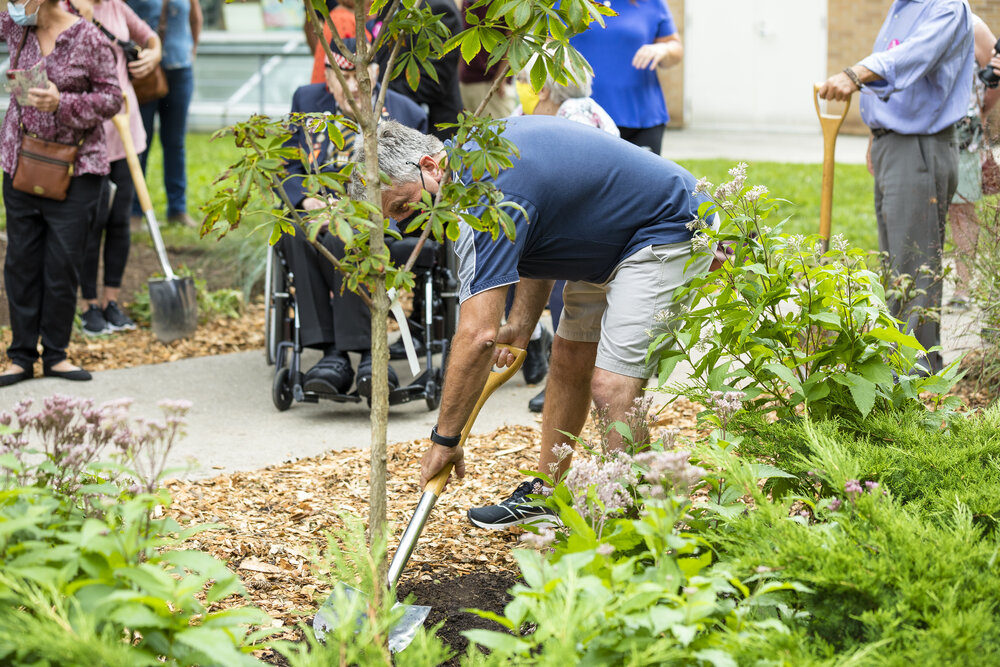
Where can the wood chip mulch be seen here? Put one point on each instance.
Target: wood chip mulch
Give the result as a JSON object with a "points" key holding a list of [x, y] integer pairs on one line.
{"points": [[276, 520]]}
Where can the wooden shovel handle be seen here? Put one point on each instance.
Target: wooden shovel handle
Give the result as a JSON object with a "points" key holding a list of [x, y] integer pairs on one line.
{"points": [[496, 378], [132, 158], [831, 127]]}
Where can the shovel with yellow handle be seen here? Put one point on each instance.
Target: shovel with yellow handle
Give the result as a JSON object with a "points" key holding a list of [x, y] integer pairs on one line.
{"points": [[831, 127], [402, 633]]}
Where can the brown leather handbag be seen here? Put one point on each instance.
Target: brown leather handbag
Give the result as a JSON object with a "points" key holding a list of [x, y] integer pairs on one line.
{"points": [[44, 168], [153, 86]]}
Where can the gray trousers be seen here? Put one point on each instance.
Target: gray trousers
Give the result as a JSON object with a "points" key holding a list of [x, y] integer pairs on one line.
{"points": [[915, 179]]}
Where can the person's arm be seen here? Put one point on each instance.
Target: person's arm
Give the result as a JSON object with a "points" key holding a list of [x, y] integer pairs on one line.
{"points": [[140, 33], [664, 52], [196, 19], [529, 302], [915, 56], [83, 111], [992, 94], [469, 363], [985, 40]]}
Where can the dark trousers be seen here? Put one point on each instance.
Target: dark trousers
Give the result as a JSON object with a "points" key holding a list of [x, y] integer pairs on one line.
{"points": [[915, 179], [45, 246], [344, 321], [173, 113], [112, 224], [645, 137]]}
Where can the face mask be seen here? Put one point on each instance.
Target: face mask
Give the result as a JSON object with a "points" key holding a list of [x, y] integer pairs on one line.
{"points": [[528, 97], [18, 16]]}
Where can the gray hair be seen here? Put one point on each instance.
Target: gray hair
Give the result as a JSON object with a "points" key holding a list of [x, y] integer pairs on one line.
{"points": [[578, 84], [399, 151]]}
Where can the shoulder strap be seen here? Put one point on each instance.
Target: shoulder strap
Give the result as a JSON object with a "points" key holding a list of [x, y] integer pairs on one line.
{"points": [[20, 45], [108, 33], [161, 27]]}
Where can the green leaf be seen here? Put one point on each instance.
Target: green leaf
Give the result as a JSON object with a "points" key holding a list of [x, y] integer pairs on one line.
{"points": [[764, 471], [471, 45], [786, 374], [862, 391], [896, 336]]}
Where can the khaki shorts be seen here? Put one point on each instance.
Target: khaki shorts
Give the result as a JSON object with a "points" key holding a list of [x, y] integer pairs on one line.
{"points": [[623, 315]]}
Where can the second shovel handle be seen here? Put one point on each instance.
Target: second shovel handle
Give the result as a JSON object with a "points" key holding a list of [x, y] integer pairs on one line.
{"points": [[495, 379]]}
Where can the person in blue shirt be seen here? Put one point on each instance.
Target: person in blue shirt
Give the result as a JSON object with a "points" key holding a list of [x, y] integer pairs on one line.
{"points": [[343, 324], [916, 85], [179, 32], [615, 221], [625, 55]]}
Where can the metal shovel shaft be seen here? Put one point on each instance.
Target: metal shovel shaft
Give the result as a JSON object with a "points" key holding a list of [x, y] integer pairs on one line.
{"points": [[435, 486]]}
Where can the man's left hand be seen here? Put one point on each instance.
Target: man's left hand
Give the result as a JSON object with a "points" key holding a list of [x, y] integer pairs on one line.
{"points": [[509, 334], [436, 458]]}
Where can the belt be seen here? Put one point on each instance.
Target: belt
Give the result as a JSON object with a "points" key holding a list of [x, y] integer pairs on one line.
{"points": [[945, 133]]}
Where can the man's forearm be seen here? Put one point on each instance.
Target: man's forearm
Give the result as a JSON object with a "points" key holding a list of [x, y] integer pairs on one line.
{"points": [[468, 367], [529, 302]]}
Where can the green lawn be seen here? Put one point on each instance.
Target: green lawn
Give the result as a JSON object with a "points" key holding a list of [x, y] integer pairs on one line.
{"points": [[853, 206]]}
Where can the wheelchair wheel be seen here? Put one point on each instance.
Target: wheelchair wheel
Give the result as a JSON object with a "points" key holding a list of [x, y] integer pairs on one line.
{"points": [[432, 390], [274, 283], [281, 389]]}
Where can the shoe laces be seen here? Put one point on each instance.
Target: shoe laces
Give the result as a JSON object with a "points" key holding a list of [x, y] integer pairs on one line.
{"points": [[519, 497]]}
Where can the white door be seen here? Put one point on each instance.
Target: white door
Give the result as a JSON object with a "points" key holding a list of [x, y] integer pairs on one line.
{"points": [[753, 63]]}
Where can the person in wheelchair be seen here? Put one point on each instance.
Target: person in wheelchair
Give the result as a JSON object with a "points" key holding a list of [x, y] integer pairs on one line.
{"points": [[340, 323]]}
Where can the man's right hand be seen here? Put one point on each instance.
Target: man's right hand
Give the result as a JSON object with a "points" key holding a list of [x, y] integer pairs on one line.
{"points": [[436, 458], [838, 87]]}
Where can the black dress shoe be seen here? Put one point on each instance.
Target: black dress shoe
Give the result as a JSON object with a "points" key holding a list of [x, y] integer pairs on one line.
{"points": [[538, 402], [364, 383], [331, 374], [76, 375], [536, 360], [398, 351], [13, 378]]}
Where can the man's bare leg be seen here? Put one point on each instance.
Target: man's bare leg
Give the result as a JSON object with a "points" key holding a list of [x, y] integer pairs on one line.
{"points": [[573, 381], [567, 395]]}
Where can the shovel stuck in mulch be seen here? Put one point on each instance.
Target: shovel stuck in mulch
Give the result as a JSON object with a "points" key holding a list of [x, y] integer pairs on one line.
{"points": [[172, 300], [402, 633]]}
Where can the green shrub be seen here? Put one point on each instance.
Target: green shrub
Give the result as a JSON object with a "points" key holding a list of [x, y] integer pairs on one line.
{"points": [[926, 470], [889, 582], [88, 540], [795, 328]]}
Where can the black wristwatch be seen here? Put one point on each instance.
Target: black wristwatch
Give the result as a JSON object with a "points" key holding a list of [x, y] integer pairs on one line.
{"points": [[450, 441]]}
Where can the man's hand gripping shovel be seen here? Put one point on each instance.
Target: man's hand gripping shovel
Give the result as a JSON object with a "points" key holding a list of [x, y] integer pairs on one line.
{"points": [[402, 633], [831, 127]]}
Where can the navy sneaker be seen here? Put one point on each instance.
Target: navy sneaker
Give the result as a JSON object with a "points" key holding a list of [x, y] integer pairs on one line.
{"points": [[117, 319], [94, 323], [515, 510]]}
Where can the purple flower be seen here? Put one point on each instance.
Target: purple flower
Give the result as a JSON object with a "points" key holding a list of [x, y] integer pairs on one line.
{"points": [[852, 488], [835, 504], [871, 486]]}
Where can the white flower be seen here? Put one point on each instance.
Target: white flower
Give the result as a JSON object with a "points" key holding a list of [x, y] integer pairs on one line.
{"points": [[702, 186], [756, 192]]}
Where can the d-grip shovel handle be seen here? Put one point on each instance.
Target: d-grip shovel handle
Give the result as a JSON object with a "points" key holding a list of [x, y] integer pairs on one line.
{"points": [[496, 378], [831, 126]]}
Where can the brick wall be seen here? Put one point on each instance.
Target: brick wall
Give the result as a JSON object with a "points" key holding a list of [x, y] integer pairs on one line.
{"points": [[672, 80]]}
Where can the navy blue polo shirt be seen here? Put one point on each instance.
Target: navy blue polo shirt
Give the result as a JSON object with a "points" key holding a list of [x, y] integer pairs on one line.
{"points": [[591, 201]]}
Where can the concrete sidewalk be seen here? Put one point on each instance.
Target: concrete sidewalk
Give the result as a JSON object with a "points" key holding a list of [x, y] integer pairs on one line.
{"points": [[800, 148]]}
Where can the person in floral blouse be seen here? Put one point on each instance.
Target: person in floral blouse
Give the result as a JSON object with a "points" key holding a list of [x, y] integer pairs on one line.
{"points": [[46, 237]]}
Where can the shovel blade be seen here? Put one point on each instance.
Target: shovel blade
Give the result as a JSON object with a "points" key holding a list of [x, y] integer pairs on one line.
{"points": [[174, 305], [400, 635]]}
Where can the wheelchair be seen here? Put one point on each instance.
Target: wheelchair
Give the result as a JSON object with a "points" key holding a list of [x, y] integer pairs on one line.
{"points": [[433, 320]]}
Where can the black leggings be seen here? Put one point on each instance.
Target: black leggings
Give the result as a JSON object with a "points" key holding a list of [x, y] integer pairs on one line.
{"points": [[114, 223], [647, 137]]}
